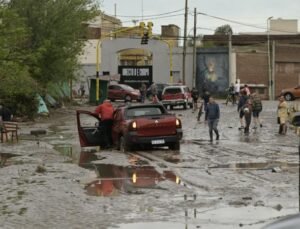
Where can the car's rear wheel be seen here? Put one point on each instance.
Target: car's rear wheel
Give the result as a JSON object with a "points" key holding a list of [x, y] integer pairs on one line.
{"points": [[288, 97], [128, 98], [171, 107], [175, 146]]}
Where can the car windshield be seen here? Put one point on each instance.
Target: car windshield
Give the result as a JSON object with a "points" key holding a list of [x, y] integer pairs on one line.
{"points": [[172, 91], [144, 111]]}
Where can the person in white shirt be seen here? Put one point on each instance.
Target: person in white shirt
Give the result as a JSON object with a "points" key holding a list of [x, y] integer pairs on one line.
{"points": [[237, 88]]}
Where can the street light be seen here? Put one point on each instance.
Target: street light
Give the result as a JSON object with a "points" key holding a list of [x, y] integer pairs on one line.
{"points": [[269, 59]]}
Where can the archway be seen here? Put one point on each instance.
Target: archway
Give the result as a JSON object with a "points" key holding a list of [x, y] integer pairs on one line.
{"points": [[155, 63]]}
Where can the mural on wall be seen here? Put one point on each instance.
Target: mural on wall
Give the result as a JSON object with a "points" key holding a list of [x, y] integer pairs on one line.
{"points": [[212, 70]]}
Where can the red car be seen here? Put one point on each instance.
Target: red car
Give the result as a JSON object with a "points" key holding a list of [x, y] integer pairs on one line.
{"points": [[123, 92], [147, 125]]}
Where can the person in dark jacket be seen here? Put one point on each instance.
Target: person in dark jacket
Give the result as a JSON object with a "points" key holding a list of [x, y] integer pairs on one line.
{"points": [[212, 116], [242, 101], [195, 95], [257, 108], [5, 114], [205, 98]]}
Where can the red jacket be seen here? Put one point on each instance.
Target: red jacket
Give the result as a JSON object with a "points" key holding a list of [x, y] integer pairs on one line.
{"points": [[105, 111]]}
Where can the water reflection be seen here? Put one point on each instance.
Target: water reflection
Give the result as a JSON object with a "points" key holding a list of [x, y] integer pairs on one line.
{"points": [[113, 180]]}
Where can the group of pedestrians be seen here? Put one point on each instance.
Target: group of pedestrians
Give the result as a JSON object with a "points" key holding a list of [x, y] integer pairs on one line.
{"points": [[211, 109], [248, 106]]}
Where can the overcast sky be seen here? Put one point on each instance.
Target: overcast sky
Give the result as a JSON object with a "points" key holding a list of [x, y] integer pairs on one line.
{"points": [[253, 12]]}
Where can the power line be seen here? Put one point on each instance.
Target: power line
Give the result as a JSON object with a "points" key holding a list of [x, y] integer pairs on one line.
{"points": [[155, 18], [153, 15], [145, 18], [244, 24]]}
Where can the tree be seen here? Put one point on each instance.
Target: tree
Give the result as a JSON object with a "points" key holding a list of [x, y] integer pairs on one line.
{"points": [[56, 36], [17, 88], [223, 30], [13, 38]]}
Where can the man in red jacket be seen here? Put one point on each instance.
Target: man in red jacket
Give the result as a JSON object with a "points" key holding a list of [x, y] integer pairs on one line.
{"points": [[105, 112]]}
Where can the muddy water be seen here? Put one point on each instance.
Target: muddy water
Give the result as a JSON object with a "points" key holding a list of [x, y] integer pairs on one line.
{"points": [[113, 180]]}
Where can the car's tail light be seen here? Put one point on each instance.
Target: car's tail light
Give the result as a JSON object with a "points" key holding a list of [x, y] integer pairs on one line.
{"points": [[133, 125], [178, 123], [134, 178]]}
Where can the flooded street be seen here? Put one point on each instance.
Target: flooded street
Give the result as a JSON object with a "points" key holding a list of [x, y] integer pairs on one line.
{"points": [[49, 181]]}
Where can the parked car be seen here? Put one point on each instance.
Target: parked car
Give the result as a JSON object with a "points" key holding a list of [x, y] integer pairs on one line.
{"points": [[160, 88], [178, 95], [291, 93], [123, 92], [147, 125]]}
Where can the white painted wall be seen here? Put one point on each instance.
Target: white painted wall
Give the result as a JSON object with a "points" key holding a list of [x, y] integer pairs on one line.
{"points": [[161, 58]]}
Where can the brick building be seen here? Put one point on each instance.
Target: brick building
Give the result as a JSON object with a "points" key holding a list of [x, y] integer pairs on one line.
{"points": [[251, 60]]}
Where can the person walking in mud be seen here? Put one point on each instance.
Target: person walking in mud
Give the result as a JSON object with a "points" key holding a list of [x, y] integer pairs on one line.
{"points": [[237, 88], [257, 108], [230, 95], [212, 116], [200, 111], [143, 91], [205, 98], [195, 96], [282, 115], [105, 112], [247, 110], [242, 101], [154, 93]]}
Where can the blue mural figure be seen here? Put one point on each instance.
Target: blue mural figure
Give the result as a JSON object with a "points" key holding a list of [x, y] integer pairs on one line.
{"points": [[212, 71]]}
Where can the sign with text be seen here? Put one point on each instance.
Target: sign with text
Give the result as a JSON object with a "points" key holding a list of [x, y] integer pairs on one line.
{"points": [[136, 75]]}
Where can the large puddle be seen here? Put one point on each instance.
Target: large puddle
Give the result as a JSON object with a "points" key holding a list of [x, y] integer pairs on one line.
{"points": [[114, 180]]}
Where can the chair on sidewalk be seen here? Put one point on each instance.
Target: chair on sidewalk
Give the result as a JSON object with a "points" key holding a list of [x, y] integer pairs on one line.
{"points": [[9, 129]]}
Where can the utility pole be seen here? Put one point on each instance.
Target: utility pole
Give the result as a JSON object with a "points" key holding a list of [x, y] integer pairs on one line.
{"points": [[273, 71], [230, 58], [269, 58], [194, 48], [184, 41]]}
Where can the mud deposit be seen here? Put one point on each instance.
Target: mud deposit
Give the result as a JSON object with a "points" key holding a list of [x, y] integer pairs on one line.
{"points": [[241, 181]]}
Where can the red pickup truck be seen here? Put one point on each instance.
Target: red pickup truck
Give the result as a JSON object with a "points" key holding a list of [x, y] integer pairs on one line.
{"points": [[147, 125]]}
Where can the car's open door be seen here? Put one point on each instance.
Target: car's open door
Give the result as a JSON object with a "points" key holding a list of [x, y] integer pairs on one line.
{"points": [[90, 134]]}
